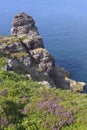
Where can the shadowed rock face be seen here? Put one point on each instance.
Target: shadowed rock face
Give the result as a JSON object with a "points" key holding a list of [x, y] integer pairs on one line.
{"points": [[25, 53]]}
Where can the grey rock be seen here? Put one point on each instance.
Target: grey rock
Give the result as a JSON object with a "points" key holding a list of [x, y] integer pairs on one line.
{"points": [[14, 47], [22, 24], [12, 63], [45, 83], [27, 61], [75, 86], [33, 42], [23, 19], [57, 77]]}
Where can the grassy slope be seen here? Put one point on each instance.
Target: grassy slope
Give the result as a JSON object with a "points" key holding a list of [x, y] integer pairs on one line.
{"points": [[26, 105]]}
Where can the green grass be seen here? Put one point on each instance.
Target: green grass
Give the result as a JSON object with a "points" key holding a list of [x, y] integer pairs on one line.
{"points": [[18, 55], [2, 62], [20, 105]]}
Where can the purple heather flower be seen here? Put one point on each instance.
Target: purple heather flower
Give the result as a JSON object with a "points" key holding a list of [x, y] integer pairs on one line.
{"points": [[4, 121], [25, 110], [21, 96], [26, 97], [61, 123], [70, 121], [53, 106], [3, 92]]}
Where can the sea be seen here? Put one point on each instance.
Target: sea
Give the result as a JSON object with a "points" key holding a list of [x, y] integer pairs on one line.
{"points": [[63, 26]]}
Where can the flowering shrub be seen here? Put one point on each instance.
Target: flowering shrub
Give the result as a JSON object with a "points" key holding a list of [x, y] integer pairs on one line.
{"points": [[54, 108], [27, 105]]}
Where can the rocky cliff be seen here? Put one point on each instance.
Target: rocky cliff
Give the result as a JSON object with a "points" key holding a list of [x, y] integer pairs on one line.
{"points": [[24, 53]]}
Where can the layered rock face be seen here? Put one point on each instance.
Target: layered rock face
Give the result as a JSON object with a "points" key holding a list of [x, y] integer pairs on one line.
{"points": [[24, 53]]}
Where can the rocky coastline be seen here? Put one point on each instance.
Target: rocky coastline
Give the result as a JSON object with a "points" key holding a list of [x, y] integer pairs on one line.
{"points": [[23, 52]]}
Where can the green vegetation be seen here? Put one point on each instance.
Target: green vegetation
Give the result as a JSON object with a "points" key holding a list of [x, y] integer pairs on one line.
{"points": [[2, 62], [8, 39], [18, 55], [26, 105]]}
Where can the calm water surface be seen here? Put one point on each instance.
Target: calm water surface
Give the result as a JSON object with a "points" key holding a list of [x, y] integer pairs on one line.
{"points": [[63, 26]]}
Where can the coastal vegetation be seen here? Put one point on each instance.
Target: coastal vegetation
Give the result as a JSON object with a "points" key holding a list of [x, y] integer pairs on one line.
{"points": [[27, 105], [34, 94]]}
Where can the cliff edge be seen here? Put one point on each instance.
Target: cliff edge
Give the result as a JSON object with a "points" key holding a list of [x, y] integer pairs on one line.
{"points": [[24, 53]]}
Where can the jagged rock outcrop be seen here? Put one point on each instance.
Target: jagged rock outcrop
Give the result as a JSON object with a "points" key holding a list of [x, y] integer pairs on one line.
{"points": [[24, 53], [23, 24]]}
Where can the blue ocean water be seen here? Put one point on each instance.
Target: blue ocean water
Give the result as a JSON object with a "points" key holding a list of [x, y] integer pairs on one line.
{"points": [[63, 26]]}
